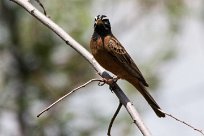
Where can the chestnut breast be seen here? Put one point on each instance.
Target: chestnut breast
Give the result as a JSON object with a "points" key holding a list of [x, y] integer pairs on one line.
{"points": [[100, 52]]}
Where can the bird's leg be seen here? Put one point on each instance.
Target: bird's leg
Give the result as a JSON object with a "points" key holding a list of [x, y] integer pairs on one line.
{"points": [[110, 81], [115, 78]]}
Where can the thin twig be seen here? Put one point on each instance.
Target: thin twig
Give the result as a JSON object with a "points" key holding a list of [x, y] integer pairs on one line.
{"points": [[113, 118], [66, 95], [185, 123], [41, 5]]}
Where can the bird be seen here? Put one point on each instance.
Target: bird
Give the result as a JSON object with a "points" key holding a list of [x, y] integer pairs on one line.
{"points": [[111, 55]]}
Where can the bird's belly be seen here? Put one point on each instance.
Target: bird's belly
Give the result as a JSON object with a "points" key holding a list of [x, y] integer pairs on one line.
{"points": [[107, 61]]}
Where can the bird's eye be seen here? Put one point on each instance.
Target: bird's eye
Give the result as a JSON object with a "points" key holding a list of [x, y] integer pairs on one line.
{"points": [[106, 23]]}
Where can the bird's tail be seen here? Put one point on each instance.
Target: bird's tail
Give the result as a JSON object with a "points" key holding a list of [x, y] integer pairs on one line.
{"points": [[141, 88]]}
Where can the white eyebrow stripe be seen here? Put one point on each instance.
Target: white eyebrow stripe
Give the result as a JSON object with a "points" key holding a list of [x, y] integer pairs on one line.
{"points": [[96, 17], [104, 18]]}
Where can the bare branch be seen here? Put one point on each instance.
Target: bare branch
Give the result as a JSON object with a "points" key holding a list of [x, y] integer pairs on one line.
{"points": [[66, 95], [131, 109], [185, 123], [112, 120]]}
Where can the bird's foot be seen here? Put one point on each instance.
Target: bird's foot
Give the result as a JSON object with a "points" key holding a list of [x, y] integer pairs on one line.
{"points": [[110, 81], [106, 81], [115, 79]]}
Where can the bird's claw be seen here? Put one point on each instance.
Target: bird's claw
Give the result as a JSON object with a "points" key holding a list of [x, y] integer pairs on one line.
{"points": [[110, 81], [115, 79], [101, 83]]}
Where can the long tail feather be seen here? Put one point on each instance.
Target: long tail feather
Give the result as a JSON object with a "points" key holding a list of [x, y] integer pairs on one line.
{"points": [[148, 97]]}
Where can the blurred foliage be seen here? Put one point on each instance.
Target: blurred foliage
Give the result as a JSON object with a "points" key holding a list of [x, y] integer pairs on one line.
{"points": [[36, 67], [40, 67]]}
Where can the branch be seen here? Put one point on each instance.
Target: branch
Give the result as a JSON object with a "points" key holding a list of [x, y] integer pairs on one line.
{"points": [[113, 119], [41, 5], [82, 51], [66, 95], [185, 123]]}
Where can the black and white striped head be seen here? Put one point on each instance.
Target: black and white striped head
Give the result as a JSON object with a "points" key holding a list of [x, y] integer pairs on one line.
{"points": [[102, 24]]}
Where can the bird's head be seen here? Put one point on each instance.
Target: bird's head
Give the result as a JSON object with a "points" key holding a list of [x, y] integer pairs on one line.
{"points": [[102, 25]]}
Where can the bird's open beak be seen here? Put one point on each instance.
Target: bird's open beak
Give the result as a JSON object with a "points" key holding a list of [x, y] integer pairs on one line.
{"points": [[99, 22]]}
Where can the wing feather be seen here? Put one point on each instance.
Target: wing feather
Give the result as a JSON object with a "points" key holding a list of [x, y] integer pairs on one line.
{"points": [[120, 54]]}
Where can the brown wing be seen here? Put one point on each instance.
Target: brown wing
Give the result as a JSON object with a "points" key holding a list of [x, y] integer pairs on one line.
{"points": [[120, 54]]}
